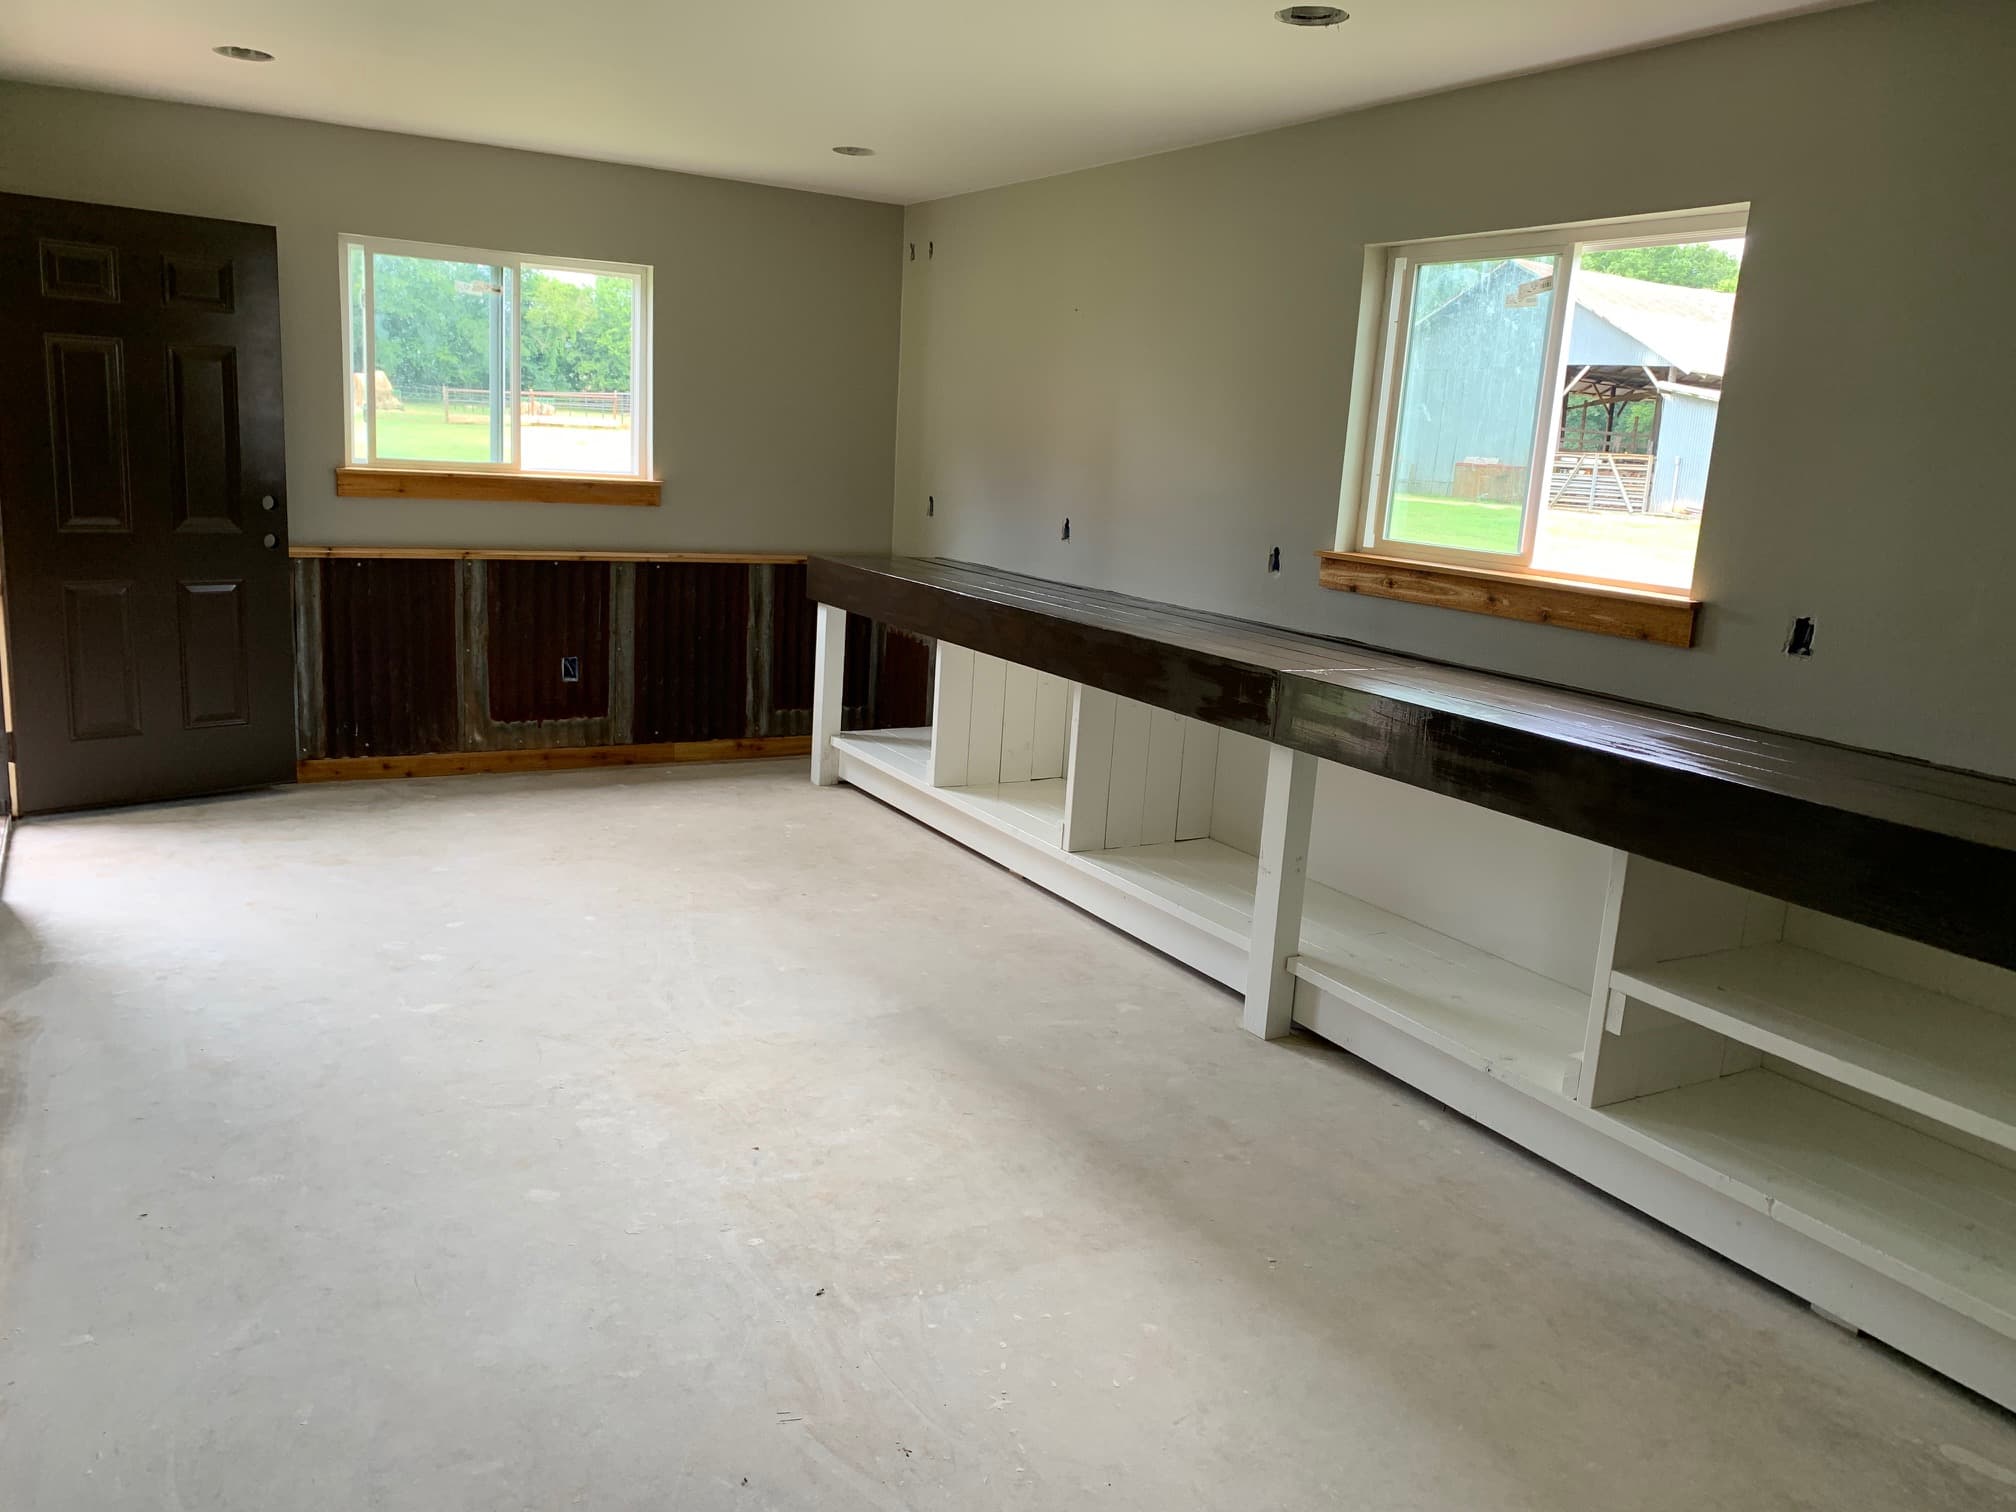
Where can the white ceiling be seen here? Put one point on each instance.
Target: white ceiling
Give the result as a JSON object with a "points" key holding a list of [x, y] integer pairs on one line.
{"points": [[952, 96]]}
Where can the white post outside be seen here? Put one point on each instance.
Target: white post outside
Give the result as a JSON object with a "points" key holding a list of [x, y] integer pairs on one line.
{"points": [[829, 671], [1277, 897]]}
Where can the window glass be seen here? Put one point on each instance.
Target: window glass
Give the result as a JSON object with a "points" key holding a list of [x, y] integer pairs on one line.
{"points": [[442, 339], [1471, 388], [358, 428], [575, 365], [1642, 390], [461, 358]]}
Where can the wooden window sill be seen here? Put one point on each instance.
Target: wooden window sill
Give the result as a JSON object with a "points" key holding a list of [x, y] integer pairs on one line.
{"points": [[493, 487], [1646, 614]]}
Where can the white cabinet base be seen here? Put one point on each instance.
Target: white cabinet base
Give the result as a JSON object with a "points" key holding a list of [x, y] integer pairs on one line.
{"points": [[1878, 1224]]}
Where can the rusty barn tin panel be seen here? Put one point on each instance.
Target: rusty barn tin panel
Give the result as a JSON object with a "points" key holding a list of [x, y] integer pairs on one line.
{"points": [[902, 680], [693, 668], [548, 631], [310, 727], [788, 709], [387, 657], [793, 636]]}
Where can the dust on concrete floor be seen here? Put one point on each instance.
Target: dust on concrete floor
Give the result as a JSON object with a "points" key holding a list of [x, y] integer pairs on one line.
{"points": [[700, 1139]]}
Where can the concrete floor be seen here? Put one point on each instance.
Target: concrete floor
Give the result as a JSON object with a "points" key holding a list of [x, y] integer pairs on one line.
{"points": [[698, 1139]]}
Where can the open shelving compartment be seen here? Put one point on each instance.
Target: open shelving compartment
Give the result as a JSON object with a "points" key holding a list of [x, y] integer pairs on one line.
{"points": [[1152, 821], [1856, 1087], [1830, 1106]]}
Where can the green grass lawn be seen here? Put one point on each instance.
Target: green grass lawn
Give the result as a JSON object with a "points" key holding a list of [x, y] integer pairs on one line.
{"points": [[1461, 524], [423, 436], [1641, 548]]}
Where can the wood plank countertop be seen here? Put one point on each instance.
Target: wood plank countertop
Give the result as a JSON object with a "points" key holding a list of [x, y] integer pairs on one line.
{"points": [[1924, 851]]}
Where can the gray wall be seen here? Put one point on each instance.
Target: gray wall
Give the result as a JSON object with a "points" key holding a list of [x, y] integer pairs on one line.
{"points": [[1163, 350], [775, 339]]}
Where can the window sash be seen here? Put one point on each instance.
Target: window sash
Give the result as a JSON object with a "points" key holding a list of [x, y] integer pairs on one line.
{"points": [[1566, 246], [513, 264]]}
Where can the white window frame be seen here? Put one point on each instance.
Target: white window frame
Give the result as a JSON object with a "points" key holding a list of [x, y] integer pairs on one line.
{"points": [[1565, 244], [516, 262]]}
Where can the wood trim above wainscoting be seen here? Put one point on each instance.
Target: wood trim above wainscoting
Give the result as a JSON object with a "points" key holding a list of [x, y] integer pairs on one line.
{"points": [[1646, 614], [565, 758], [537, 554], [493, 487]]}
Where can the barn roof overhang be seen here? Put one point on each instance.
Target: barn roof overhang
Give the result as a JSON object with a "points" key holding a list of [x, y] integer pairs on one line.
{"points": [[1620, 383]]}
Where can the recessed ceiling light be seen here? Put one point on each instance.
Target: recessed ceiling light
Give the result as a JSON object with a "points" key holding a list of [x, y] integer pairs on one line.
{"points": [[1312, 15], [855, 151], [243, 54]]}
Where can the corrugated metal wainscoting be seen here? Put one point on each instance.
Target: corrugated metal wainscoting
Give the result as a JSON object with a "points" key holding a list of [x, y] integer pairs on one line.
{"points": [[420, 663]]}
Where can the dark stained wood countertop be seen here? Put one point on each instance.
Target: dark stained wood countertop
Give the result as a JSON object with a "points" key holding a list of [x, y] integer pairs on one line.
{"points": [[1924, 851]]}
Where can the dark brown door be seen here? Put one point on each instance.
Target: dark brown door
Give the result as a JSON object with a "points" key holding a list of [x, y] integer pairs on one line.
{"points": [[143, 515]]}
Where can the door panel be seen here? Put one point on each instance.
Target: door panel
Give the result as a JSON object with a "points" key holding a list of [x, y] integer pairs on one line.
{"points": [[203, 281], [203, 426], [104, 674], [74, 271], [142, 505], [215, 668], [87, 432]]}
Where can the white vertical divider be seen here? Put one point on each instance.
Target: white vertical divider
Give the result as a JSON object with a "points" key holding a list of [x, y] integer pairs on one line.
{"points": [[951, 715], [1277, 895], [1198, 782], [1018, 722], [983, 741], [1127, 786], [829, 671], [1161, 787], [1090, 769], [1053, 725], [1654, 912]]}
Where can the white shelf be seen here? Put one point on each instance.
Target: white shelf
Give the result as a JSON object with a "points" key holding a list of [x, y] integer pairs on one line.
{"points": [[1936, 1055], [1485, 1011], [905, 752], [1927, 1214], [1490, 1014], [1035, 809], [1482, 1009], [1204, 882]]}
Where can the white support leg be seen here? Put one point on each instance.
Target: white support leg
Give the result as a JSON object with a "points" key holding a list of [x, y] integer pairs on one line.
{"points": [[829, 671], [1277, 899]]}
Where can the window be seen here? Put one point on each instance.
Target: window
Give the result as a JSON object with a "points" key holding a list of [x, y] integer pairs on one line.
{"points": [[1548, 399], [490, 361]]}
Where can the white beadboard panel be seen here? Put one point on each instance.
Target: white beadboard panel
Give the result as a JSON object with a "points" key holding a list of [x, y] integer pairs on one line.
{"points": [[1053, 725], [1239, 791], [1091, 769], [983, 754], [1018, 722], [1127, 787], [952, 715], [1199, 777], [1162, 786]]}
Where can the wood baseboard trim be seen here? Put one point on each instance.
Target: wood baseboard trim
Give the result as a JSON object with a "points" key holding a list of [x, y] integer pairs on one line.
{"points": [[493, 487], [557, 759], [1664, 619], [534, 554]]}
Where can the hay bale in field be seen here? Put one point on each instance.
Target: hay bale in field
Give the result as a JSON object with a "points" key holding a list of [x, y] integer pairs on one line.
{"points": [[388, 399]]}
